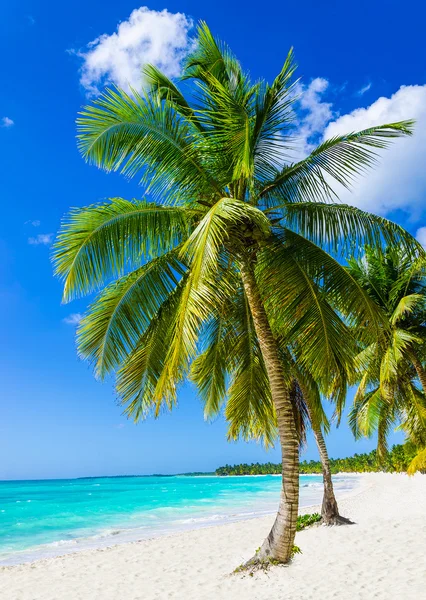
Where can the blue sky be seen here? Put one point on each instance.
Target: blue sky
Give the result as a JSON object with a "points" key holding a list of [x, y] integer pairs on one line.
{"points": [[360, 63]]}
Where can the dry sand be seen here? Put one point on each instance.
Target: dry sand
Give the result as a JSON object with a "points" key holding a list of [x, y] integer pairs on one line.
{"points": [[381, 556]]}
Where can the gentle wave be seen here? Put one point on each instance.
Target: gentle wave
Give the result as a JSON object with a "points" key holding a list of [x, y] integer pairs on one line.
{"points": [[44, 519]]}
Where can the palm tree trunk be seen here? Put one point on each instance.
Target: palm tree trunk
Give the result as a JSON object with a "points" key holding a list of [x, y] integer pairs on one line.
{"points": [[421, 373], [329, 510], [278, 546]]}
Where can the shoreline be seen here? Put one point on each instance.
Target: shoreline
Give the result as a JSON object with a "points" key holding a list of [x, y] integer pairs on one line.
{"points": [[122, 536], [336, 562], [178, 475]]}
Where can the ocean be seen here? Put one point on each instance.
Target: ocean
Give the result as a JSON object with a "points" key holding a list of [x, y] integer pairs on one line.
{"points": [[46, 518]]}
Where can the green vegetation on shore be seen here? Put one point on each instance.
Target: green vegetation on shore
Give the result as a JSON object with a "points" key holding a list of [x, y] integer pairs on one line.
{"points": [[395, 461]]}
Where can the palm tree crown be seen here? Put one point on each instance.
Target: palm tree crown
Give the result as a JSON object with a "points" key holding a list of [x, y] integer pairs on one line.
{"points": [[391, 369]]}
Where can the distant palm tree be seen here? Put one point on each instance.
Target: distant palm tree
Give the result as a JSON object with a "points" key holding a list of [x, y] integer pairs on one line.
{"points": [[226, 219], [391, 370]]}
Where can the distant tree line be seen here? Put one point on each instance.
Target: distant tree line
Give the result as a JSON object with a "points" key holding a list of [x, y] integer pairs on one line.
{"points": [[395, 461]]}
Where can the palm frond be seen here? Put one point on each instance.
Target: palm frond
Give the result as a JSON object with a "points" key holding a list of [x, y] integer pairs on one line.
{"points": [[202, 253], [229, 124], [412, 409], [139, 373], [344, 229], [274, 119], [139, 134], [102, 241], [124, 310], [160, 85], [211, 57], [418, 463], [340, 158], [394, 354], [298, 283], [209, 371], [385, 421], [202, 248], [365, 413], [406, 306]]}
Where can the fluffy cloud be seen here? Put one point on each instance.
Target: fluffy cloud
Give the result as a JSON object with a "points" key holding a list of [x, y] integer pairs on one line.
{"points": [[398, 181], [148, 36], [421, 236], [34, 223], [6, 122], [73, 319], [44, 239], [315, 113]]}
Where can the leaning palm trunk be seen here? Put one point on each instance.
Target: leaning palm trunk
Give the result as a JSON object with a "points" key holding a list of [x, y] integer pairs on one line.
{"points": [[278, 546], [329, 510], [421, 373]]}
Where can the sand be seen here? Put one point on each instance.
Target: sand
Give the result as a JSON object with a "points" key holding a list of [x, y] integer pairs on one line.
{"points": [[381, 556]]}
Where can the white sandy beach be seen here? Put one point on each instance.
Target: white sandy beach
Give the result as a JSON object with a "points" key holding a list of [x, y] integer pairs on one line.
{"points": [[382, 556]]}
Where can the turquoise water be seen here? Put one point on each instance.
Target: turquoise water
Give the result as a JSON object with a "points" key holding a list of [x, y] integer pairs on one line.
{"points": [[46, 518]]}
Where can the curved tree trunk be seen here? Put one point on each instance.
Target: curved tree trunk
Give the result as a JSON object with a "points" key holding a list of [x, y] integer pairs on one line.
{"points": [[329, 510], [278, 546], [421, 373]]}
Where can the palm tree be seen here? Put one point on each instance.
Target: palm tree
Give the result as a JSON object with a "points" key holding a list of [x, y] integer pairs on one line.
{"points": [[391, 372], [223, 208]]}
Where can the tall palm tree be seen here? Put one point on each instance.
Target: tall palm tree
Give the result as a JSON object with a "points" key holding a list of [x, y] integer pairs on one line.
{"points": [[222, 207], [391, 370]]}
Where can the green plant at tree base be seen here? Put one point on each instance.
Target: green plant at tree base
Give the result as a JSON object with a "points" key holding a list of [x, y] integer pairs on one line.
{"points": [[232, 234], [304, 521]]}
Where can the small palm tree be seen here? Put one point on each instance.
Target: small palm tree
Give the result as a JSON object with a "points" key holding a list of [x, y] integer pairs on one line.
{"points": [[225, 218], [392, 376]]}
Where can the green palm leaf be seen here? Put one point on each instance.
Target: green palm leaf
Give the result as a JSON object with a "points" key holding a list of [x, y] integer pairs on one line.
{"points": [[142, 135], [209, 371], [138, 376], [124, 310], [406, 306], [102, 241], [344, 229], [340, 158]]}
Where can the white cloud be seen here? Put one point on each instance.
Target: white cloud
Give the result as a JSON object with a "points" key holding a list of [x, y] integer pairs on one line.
{"points": [[34, 223], [364, 89], [41, 239], [421, 236], [148, 36], [315, 114], [73, 319], [6, 122], [398, 182]]}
